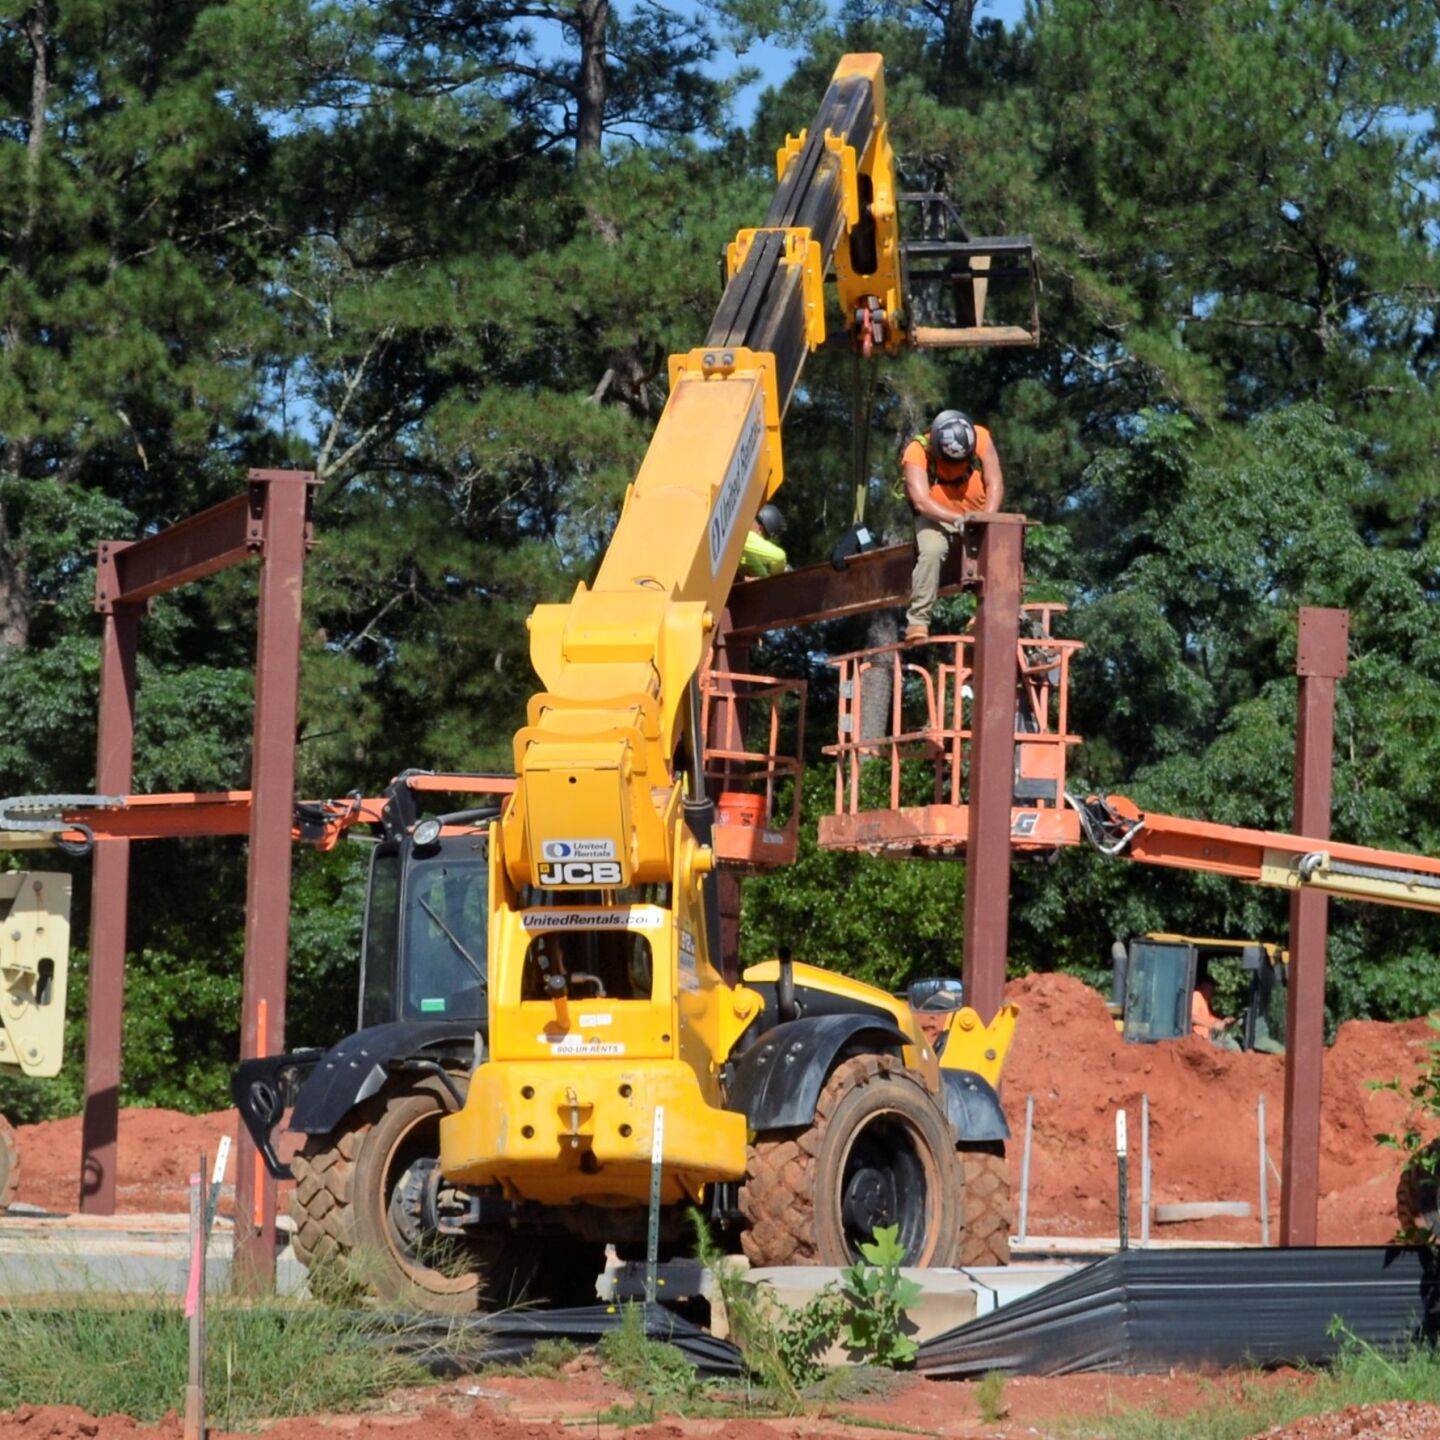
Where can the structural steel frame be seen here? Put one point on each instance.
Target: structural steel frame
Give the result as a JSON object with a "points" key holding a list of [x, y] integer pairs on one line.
{"points": [[271, 521]]}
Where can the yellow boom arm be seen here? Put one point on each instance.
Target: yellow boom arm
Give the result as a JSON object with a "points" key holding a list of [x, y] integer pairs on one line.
{"points": [[604, 1015], [598, 796]]}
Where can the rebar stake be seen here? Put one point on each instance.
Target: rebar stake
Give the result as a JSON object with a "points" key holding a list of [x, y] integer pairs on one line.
{"points": [[195, 1308], [1025, 1169], [652, 1238], [1122, 1163]]}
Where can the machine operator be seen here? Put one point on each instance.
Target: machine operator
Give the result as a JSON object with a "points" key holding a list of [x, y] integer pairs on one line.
{"points": [[952, 470], [1204, 1022]]}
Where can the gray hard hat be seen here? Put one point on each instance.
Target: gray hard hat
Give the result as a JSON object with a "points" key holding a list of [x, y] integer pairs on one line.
{"points": [[771, 520], [952, 434]]}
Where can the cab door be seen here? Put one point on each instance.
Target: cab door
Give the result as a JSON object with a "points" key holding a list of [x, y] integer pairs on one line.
{"points": [[1159, 982]]}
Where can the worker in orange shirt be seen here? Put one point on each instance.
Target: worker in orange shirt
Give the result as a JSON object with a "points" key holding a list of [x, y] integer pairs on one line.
{"points": [[1204, 1022], [951, 471]]}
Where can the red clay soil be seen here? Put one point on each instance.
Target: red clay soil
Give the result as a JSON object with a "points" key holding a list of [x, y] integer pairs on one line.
{"points": [[157, 1151], [1403, 1420], [517, 1408], [1068, 1056], [1203, 1139]]}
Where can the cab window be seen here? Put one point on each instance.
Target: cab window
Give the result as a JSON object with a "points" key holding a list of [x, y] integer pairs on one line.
{"points": [[446, 923]]}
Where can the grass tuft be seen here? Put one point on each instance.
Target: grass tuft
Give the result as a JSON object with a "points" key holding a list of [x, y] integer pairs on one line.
{"points": [[662, 1380], [264, 1361], [1360, 1375]]}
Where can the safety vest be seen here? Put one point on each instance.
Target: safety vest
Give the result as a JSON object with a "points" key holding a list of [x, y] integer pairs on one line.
{"points": [[956, 486], [761, 556]]}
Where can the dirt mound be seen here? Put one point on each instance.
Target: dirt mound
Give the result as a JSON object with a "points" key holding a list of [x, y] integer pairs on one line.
{"points": [[1404, 1420], [157, 1151], [1203, 1139], [67, 1422]]}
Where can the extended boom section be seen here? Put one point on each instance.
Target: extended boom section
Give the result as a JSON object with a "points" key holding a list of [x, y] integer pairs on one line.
{"points": [[604, 931], [1117, 826]]}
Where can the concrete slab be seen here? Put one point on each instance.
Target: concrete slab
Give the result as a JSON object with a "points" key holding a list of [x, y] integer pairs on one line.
{"points": [[121, 1254], [997, 1285]]}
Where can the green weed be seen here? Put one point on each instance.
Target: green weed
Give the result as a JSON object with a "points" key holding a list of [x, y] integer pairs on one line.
{"points": [[546, 1361], [780, 1346], [990, 1397], [875, 1297], [658, 1375], [1360, 1375]]}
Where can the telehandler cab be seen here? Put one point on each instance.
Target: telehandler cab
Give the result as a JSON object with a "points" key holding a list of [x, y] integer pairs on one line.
{"points": [[1155, 976]]}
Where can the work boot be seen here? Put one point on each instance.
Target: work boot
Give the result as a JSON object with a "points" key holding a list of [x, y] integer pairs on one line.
{"points": [[916, 632]]}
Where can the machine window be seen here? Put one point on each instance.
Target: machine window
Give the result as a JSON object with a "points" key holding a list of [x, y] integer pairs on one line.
{"points": [[446, 921], [382, 928]]}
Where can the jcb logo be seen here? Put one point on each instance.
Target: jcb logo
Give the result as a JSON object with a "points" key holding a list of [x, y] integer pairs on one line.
{"points": [[580, 872]]}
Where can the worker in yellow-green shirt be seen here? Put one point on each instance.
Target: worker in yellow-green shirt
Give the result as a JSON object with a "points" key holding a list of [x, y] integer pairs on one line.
{"points": [[762, 556]]}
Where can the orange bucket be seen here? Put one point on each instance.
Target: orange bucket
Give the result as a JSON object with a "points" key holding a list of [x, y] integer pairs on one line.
{"points": [[738, 808]]}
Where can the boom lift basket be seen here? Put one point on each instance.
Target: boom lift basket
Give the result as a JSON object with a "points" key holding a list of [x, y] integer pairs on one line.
{"points": [[755, 728], [966, 291]]}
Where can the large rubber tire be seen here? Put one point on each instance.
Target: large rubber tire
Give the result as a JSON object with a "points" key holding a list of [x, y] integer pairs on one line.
{"points": [[348, 1217], [357, 1223], [879, 1151], [986, 1240], [9, 1164], [1417, 1197]]}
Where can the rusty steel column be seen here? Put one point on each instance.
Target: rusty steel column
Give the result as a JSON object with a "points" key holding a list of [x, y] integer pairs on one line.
{"points": [[995, 682], [109, 902], [280, 521], [1320, 661]]}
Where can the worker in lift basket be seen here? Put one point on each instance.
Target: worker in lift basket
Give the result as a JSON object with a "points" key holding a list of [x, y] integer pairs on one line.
{"points": [[762, 556], [951, 471]]}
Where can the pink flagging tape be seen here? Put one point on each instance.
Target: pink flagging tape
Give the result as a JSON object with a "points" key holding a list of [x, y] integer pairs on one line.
{"points": [[197, 1249]]}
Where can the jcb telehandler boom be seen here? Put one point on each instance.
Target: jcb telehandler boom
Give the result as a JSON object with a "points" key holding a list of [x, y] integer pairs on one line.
{"points": [[606, 1000]]}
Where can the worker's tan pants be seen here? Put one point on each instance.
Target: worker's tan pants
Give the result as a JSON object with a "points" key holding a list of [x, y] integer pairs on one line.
{"points": [[932, 545]]}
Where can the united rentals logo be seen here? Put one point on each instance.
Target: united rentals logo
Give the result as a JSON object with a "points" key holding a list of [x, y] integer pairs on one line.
{"points": [[578, 862], [735, 485]]}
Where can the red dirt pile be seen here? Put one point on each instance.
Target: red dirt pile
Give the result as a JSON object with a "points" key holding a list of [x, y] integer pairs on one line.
{"points": [[157, 1151], [1203, 1140], [1404, 1420]]}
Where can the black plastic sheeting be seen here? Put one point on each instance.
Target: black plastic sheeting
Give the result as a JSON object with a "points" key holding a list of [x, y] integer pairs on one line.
{"points": [[1144, 1311], [449, 1346]]}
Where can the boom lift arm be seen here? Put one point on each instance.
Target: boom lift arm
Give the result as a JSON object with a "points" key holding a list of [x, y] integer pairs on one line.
{"points": [[1117, 826], [597, 761]]}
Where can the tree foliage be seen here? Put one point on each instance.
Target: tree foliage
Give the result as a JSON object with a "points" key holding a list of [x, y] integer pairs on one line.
{"points": [[440, 254]]}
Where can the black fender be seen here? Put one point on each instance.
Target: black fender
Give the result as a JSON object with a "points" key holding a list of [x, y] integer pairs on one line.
{"points": [[321, 1087], [777, 1081], [263, 1090], [972, 1105]]}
